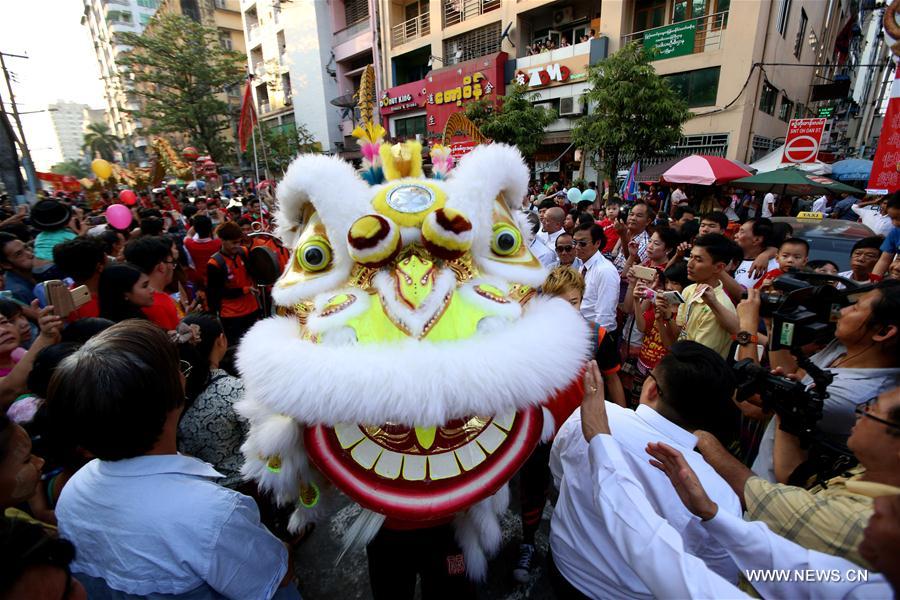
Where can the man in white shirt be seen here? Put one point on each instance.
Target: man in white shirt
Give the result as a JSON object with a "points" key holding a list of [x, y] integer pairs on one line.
{"points": [[768, 206], [874, 217], [545, 255], [753, 238], [689, 389], [601, 279], [821, 203], [551, 226], [656, 553]]}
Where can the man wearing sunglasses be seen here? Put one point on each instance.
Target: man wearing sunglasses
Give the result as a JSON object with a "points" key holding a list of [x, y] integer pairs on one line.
{"points": [[565, 253]]}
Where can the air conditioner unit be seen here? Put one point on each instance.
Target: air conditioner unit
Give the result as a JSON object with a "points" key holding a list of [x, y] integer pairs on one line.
{"points": [[563, 16], [571, 106]]}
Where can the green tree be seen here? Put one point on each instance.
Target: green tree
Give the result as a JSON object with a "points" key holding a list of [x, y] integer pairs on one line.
{"points": [[635, 112], [70, 167], [515, 121], [180, 71], [282, 144], [100, 140]]}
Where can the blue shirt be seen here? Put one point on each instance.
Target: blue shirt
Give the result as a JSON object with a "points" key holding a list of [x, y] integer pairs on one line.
{"points": [[21, 288], [891, 244], [159, 525]]}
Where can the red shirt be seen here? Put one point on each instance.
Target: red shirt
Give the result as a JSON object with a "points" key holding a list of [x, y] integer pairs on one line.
{"points": [[612, 236], [201, 251], [87, 310], [163, 311]]}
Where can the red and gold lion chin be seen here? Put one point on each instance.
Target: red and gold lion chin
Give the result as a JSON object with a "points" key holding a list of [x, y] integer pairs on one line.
{"points": [[412, 357]]}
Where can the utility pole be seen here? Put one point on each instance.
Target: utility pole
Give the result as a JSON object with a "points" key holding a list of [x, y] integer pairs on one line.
{"points": [[26, 154]]}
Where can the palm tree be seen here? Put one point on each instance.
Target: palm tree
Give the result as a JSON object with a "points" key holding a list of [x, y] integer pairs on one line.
{"points": [[99, 140]]}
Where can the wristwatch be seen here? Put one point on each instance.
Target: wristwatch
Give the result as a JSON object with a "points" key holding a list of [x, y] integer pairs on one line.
{"points": [[745, 337]]}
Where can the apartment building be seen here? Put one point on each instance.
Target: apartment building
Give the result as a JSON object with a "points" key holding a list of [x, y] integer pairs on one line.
{"points": [[307, 59], [744, 67], [68, 123], [104, 19]]}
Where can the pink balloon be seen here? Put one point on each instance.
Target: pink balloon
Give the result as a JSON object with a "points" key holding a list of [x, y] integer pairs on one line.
{"points": [[127, 197], [118, 216]]}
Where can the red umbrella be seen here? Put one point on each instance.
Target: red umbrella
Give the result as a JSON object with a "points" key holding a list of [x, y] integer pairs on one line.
{"points": [[704, 170]]}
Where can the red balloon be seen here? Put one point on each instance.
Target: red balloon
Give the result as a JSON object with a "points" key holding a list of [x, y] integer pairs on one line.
{"points": [[190, 153], [127, 197]]}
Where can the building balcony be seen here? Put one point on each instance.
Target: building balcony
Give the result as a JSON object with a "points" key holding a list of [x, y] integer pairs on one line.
{"points": [[252, 32], [410, 30], [457, 11], [674, 39]]}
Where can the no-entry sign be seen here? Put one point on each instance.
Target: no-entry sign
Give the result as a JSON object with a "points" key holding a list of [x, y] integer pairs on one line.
{"points": [[803, 139]]}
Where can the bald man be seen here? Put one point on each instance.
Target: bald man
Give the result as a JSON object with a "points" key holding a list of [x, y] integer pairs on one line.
{"points": [[552, 226]]}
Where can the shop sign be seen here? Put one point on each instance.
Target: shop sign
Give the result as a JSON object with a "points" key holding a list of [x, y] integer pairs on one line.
{"points": [[449, 89], [460, 149], [472, 88], [674, 40], [402, 98], [543, 76]]}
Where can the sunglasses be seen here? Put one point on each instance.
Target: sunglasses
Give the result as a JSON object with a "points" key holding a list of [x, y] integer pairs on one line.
{"points": [[565, 248], [186, 368]]}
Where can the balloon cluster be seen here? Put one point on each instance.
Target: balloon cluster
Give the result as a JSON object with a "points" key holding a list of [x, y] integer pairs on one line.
{"points": [[575, 195]]}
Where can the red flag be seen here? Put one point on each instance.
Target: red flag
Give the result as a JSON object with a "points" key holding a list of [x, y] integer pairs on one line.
{"points": [[248, 117]]}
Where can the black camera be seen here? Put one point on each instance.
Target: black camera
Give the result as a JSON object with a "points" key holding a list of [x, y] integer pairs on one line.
{"points": [[799, 409], [805, 307]]}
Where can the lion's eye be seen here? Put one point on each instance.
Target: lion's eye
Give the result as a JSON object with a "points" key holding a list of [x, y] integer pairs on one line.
{"points": [[507, 240]]}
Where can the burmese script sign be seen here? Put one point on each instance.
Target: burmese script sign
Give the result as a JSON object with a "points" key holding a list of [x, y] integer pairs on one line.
{"points": [[671, 41]]}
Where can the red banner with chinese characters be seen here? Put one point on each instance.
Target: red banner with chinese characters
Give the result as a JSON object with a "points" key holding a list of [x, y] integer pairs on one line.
{"points": [[885, 175]]}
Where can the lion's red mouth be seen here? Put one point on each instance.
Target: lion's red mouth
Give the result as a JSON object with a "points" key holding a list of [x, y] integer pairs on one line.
{"points": [[383, 468]]}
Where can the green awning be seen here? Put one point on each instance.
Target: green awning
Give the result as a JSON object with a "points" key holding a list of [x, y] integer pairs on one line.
{"points": [[794, 182]]}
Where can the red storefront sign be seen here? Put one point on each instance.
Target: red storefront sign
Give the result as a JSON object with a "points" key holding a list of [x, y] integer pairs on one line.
{"points": [[461, 148], [803, 140], [403, 98], [885, 175], [451, 88]]}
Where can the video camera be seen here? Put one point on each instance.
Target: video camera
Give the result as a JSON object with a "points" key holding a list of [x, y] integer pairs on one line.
{"points": [[805, 307]]}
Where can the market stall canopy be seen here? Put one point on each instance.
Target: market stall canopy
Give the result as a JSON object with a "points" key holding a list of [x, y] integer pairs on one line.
{"points": [[851, 169], [653, 173], [772, 161], [793, 181], [704, 170]]}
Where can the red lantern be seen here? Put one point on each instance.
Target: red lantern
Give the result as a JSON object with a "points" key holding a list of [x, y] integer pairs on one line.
{"points": [[190, 154], [127, 197]]}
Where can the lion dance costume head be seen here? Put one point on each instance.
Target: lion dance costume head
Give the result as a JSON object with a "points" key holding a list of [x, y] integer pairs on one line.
{"points": [[411, 357]]}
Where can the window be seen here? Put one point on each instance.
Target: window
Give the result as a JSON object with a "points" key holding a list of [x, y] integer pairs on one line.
{"points": [[154, 4], [784, 12], [355, 11], [786, 108], [145, 19], [799, 111], [649, 14], [478, 42], [768, 98], [698, 88], [414, 9], [225, 40], [409, 127], [801, 34]]}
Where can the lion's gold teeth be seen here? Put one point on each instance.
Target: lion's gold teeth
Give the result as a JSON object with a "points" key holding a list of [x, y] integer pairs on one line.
{"points": [[410, 462], [336, 304]]}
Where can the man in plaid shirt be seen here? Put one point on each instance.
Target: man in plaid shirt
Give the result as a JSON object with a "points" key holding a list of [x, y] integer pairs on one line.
{"points": [[831, 516]]}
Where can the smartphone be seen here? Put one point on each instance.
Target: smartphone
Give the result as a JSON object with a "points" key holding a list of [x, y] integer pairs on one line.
{"points": [[64, 300], [645, 273], [673, 297]]}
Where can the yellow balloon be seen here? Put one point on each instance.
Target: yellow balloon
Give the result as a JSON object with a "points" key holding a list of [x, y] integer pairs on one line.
{"points": [[101, 168]]}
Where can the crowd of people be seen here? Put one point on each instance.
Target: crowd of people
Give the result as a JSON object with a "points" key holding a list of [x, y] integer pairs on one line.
{"points": [[668, 481]]}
